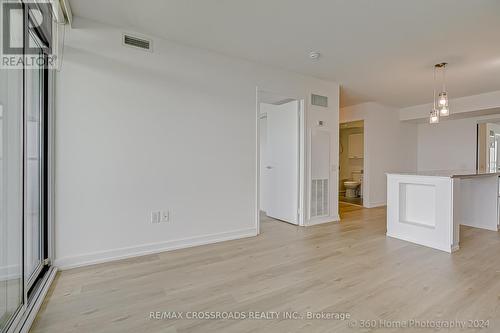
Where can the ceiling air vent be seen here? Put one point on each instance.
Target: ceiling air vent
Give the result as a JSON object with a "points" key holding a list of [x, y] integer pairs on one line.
{"points": [[137, 42], [319, 100]]}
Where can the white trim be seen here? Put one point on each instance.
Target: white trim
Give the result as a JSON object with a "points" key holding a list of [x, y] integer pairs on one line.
{"points": [[51, 162], [57, 10], [10, 272], [375, 204], [257, 161], [323, 220], [302, 162], [66, 8], [136, 251], [366, 166], [449, 249]]}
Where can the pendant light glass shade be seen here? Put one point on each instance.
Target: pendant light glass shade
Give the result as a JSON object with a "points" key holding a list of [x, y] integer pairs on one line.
{"points": [[444, 111], [434, 118], [443, 99]]}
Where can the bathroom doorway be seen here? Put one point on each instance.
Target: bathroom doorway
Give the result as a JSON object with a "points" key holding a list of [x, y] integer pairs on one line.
{"points": [[351, 162]]}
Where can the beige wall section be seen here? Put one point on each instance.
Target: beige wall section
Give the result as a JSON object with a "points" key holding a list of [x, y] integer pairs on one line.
{"points": [[451, 144], [173, 130]]}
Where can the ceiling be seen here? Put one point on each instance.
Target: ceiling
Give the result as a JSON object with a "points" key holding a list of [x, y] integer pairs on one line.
{"points": [[381, 51]]}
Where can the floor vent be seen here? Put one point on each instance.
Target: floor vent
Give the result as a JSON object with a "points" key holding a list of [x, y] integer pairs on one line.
{"points": [[319, 198], [137, 42]]}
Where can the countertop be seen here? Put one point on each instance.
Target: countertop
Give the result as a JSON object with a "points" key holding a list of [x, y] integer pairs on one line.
{"points": [[447, 173]]}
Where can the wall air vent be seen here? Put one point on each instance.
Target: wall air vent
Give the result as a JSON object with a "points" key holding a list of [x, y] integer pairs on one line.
{"points": [[138, 42], [319, 198], [319, 100]]}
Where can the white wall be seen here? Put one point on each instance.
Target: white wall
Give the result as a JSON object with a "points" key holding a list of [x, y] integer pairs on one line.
{"points": [[390, 145], [449, 145], [173, 129]]}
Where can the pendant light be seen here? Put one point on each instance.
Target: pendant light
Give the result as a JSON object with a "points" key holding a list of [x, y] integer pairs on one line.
{"points": [[440, 108], [434, 117], [444, 109]]}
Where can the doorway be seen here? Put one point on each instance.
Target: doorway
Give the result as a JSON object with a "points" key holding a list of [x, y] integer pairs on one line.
{"points": [[488, 147], [351, 162], [280, 158]]}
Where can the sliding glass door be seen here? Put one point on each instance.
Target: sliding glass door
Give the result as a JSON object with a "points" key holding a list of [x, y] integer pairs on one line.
{"points": [[11, 195], [24, 114], [34, 170]]}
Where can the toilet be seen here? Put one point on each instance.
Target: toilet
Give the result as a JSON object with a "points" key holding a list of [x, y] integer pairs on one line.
{"points": [[353, 187]]}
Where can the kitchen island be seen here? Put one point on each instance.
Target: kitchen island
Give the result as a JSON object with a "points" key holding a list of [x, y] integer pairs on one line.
{"points": [[427, 208]]}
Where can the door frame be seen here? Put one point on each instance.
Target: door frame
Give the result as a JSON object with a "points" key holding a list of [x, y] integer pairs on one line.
{"points": [[301, 160]]}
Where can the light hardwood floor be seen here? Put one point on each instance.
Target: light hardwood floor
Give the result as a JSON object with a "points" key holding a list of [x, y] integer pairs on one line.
{"points": [[348, 267]]}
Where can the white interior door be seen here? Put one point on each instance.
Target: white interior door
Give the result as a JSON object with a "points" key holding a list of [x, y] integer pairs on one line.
{"points": [[283, 161]]}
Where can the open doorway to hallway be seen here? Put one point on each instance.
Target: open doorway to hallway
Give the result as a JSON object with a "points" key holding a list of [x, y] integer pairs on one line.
{"points": [[351, 162], [280, 146]]}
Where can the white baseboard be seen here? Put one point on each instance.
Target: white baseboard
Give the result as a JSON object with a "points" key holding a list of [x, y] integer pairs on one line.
{"points": [[136, 251], [322, 220], [10, 272], [433, 245], [375, 204], [474, 224]]}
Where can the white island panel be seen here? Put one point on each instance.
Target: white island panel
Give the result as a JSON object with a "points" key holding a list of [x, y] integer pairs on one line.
{"points": [[417, 204], [420, 210]]}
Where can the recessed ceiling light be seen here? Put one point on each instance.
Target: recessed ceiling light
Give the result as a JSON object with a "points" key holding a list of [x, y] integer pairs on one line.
{"points": [[314, 55]]}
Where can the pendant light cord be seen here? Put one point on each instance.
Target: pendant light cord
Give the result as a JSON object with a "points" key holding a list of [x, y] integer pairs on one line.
{"points": [[434, 91], [444, 78]]}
